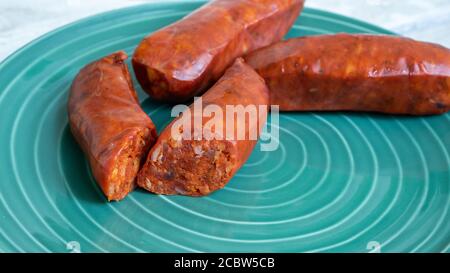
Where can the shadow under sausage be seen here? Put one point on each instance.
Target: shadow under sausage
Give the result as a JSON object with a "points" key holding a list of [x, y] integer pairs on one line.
{"points": [[360, 114], [77, 172]]}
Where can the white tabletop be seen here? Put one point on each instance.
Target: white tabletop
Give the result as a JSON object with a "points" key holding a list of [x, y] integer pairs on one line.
{"points": [[24, 20]]}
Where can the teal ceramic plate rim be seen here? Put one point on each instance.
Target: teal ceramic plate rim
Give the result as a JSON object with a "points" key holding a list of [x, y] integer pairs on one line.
{"points": [[342, 182]]}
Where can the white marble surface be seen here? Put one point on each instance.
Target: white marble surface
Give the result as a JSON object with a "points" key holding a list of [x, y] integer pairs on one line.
{"points": [[24, 20]]}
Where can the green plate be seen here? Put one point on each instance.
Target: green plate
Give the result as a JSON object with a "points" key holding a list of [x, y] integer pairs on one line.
{"points": [[339, 182]]}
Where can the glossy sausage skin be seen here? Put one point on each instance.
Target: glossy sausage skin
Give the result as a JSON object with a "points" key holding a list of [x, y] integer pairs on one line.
{"points": [[384, 74], [185, 58], [197, 167], [107, 121]]}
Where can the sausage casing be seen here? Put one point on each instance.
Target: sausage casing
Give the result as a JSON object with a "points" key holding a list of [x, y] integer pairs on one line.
{"points": [[198, 167], [108, 123], [185, 58], [374, 73]]}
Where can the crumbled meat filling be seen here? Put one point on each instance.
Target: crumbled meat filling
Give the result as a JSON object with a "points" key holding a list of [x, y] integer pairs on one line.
{"points": [[127, 165], [190, 167]]}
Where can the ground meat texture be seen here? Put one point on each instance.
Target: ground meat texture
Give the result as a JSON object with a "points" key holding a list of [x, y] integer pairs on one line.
{"points": [[198, 167], [185, 58], [374, 73], [107, 121]]}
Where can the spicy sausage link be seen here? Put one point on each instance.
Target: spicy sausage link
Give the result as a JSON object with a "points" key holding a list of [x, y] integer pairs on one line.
{"points": [[185, 58], [106, 120], [178, 164], [375, 73]]}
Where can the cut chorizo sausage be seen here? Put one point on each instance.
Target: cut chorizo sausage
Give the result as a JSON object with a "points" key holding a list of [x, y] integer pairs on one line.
{"points": [[196, 167], [106, 120], [185, 58], [374, 73]]}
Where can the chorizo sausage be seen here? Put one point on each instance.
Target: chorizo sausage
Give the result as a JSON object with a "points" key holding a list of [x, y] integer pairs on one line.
{"points": [[196, 167], [374, 73], [185, 58], [106, 120]]}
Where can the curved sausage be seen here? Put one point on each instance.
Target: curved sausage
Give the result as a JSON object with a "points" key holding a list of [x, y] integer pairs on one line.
{"points": [[196, 167], [184, 59], [106, 120], [375, 73]]}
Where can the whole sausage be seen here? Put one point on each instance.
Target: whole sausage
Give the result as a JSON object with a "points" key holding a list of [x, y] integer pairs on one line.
{"points": [[374, 73], [185, 58], [196, 167], [106, 120]]}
